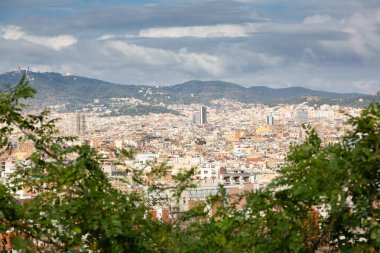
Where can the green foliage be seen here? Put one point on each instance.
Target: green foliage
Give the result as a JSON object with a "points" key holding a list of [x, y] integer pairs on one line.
{"points": [[75, 206], [326, 198], [9, 209]]}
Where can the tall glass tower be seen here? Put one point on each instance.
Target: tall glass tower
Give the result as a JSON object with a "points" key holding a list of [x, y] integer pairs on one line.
{"points": [[202, 115], [80, 123]]}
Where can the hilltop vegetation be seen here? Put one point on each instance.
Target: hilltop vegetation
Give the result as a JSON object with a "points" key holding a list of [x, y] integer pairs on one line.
{"points": [[75, 92]]}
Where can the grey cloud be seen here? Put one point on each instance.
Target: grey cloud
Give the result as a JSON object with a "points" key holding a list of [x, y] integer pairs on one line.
{"points": [[95, 18]]}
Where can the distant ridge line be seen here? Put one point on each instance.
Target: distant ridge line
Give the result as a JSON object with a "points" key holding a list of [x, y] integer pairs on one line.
{"points": [[76, 90]]}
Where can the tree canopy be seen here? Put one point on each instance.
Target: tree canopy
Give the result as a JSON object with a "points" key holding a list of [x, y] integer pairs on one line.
{"points": [[326, 197]]}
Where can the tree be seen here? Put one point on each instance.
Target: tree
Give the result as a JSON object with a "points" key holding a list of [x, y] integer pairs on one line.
{"points": [[75, 206], [340, 182], [326, 198]]}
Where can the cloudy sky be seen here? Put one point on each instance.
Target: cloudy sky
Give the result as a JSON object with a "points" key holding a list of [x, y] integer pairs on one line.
{"points": [[329, 45]]}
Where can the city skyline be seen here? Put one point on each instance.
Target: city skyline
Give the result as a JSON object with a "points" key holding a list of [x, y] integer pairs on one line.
{"points": [[322, 45]]}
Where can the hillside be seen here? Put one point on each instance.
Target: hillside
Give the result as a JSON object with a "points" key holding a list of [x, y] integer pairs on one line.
{"points": [[205, 91], [74, 92]]}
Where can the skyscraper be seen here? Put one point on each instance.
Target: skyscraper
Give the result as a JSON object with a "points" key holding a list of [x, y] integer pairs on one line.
{"points": [[270, 120], [83, 123], [202, 115], [80, 123]]}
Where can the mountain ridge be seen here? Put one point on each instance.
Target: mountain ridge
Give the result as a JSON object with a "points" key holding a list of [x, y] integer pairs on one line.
{"points": [[55, 88]]}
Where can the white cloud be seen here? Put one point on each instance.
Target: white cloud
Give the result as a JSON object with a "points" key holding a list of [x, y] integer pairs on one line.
{"points": [[363, 41], [182, 59], [356, 36], [214, 31], [115, 37], [55, 42], [268, 61], [317, 19], [106, 37]]}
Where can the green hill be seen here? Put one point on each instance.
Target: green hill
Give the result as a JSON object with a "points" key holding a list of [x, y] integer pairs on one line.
{"points": [[76, 92]]}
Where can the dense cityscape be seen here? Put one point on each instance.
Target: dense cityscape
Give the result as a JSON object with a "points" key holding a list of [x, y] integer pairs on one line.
{"points": [[239, 146]]}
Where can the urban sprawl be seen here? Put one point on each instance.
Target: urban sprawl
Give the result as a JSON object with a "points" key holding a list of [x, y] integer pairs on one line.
{"points": [[239, 146]]}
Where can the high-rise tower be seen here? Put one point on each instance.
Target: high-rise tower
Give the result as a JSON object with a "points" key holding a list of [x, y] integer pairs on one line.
{"points": [[83, 123], [270, 120], [80, 123], [202, 115]]}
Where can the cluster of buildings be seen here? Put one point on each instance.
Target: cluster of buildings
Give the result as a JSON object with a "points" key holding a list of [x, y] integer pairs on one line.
{"points": [[239, 146]]}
